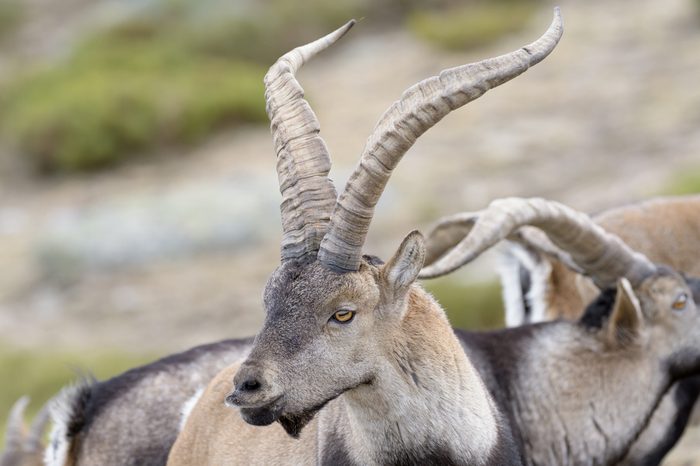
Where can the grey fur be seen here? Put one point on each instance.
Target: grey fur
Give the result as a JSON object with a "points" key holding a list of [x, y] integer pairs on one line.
{"points": [[667, 230], [133, 419]]}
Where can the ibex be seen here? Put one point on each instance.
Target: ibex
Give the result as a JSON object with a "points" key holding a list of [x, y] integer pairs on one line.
{"points": [[339, 326], [24, 447], [539, 284], [654, 225], [359, 365]]}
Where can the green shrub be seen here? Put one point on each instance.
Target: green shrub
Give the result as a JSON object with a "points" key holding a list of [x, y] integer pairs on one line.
{"points": [[109, 104], [472, 306], [472, 25], [41, 374], [172, 75]]}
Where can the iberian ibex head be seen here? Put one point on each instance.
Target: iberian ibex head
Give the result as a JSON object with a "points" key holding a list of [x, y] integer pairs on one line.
{"points": [[337, 320]]}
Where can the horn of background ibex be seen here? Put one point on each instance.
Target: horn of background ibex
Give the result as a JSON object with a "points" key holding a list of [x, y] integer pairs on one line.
{"points": [[37, 429], [449, 231], [602, 255], [15, 432], [419, 108], [303, 163]]}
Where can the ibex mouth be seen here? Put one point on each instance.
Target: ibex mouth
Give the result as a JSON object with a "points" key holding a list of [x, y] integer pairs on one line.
{"points": [[262, 415]]}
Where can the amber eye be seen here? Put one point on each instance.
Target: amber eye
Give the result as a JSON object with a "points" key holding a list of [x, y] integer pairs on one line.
{"points": [[680, 302], [343, 316]]}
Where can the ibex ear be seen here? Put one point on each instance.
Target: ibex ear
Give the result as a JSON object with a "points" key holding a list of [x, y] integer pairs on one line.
{"points": [[402, 269], [626, 320]]}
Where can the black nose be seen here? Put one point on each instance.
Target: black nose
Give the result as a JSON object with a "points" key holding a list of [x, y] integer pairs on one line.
{"points": [[249, 379], [249, 385]]}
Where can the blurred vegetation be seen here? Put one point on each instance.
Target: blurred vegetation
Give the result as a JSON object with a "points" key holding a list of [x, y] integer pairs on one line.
{"points": [[11, 14], [471, 25], [684, 182], [470, 306], [180, 70], [122, 94], [41, 374]]}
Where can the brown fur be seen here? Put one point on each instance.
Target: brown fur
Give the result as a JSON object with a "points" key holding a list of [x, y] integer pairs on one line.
{"points": [[210, 423]]}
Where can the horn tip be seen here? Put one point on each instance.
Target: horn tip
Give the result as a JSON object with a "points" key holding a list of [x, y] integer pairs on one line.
{"points": [[557, 18], [346, 27]]}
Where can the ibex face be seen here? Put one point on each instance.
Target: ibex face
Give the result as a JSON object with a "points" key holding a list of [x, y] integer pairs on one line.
{"points": [[325, 333], [671, 324]]}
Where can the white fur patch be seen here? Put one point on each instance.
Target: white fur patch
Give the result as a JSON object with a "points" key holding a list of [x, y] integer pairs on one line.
{"points": [[540, 275], [511, 258], [508, 269], [188, 406], [60, 411]]}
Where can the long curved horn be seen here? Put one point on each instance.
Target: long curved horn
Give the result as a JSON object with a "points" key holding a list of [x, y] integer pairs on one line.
{"points": [[16, 430], [37, 429], [419, 108], [602, 255], [303, 163], [449, 231], [536, 240]]}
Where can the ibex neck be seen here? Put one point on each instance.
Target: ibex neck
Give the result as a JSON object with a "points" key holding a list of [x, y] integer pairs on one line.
{"points": [[427, 404], [601, 406]]}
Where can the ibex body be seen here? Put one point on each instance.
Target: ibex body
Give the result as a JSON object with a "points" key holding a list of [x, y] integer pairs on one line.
{"points": [[448, 244], [538, 287], [134, 418]]}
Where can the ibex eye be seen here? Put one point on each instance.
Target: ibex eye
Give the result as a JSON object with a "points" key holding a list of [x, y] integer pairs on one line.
{"points": [[680, 302], [343, 316]]}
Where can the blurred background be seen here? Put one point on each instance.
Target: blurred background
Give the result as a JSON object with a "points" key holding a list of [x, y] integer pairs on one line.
{"points": [[138, 193]]}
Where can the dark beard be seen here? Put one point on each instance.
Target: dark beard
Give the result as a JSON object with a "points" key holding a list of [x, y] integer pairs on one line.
{"points": [[294, 423]]}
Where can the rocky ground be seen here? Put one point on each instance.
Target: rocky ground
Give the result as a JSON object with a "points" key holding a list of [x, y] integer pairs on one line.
{"points": [[174, 251]]}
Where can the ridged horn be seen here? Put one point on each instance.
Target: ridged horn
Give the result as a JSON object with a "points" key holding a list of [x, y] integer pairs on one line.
{"points": [[449, 231], [303, 162], [418, 109], [601, 255], [16, 430]]}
